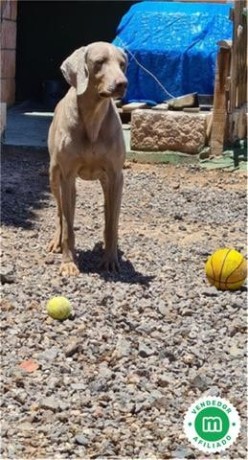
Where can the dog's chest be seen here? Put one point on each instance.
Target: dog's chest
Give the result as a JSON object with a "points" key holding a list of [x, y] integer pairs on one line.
{"points": [[89, 174], [92, 161]]}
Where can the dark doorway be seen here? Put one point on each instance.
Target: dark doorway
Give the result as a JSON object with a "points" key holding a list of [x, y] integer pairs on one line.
{"points": [[48, 31]]}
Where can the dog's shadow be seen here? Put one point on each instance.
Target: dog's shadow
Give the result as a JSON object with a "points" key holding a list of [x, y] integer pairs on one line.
{"points": [[89, 262]]}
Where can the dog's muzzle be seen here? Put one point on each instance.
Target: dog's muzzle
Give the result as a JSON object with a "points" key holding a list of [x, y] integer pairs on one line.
{"points": [[117, 89]]}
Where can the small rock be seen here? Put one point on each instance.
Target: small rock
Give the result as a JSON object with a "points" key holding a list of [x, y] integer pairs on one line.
{"points": [[145, 328], [182, 452], [21, 397], [163, 307], [167, 354], [155, 396], [236, 352], [105, 372], [49, 259], [145, 351], [54, 382], [78, 386], [161, 402], [63, 417], [47, 429], [165, 380], [188, 359], [104, 450], [126, 407], [72, 348], [210, 291], [98, 386], [213, 391], [7, 274], [50, 354], [6, 279], [80, 329], [133, 378], [238, 325], [203, 252], [163, 446], [81, 440], [64, 405], [198, 380], [176, 185], [178, 216], [122, 348], [204, 153], [50, 403], [7, 269], [27, 426], [12, 450]]}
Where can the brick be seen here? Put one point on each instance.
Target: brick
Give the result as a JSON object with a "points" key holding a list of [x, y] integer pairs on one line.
{"points": [[168, 130], [8, 62], [8, 35], [9, 9], [7, 90]]}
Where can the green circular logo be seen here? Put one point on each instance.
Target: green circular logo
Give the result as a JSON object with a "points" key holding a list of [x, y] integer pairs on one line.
{"points": [[212, 424]]}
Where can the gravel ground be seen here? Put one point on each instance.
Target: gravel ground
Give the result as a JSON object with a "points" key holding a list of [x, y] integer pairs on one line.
{"points": [[117, 378]]}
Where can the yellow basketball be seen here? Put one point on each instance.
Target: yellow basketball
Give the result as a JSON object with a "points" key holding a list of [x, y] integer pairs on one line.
{"points": [[226, 268]]}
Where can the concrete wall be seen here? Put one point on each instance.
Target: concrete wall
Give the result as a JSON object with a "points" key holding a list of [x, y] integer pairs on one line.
{"points": [[8, 50]]}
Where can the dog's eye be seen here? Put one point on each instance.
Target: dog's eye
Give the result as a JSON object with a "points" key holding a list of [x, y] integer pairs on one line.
{"points": [[123, 65], [99, 63]]}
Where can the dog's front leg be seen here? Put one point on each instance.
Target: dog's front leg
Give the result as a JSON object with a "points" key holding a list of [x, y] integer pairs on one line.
{"points": [[55, 245], [112, 188], [68, 194]]}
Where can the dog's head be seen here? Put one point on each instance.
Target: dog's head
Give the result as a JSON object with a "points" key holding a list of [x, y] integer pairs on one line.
{"points": [[99, 67]]}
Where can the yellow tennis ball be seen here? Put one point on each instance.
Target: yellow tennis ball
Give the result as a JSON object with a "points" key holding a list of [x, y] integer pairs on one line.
{"points": [[226, 269], [59, 308]]}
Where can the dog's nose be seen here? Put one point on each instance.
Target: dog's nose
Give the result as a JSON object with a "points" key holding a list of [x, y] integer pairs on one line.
{"points": [[121, 86]]}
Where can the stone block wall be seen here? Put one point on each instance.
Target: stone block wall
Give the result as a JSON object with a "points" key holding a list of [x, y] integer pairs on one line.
{"points": [[154, 130], [8, 50]]}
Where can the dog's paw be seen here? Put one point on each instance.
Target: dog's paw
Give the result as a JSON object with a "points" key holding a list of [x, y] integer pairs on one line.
{"points": [[110, 264], [55, 246], [68, 269]]}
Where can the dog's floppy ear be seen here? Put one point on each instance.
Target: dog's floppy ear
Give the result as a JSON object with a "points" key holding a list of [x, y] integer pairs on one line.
{"points": [[75, 70]]}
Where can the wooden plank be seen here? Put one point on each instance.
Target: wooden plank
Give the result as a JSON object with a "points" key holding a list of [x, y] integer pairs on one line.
{"points": [[239, 56], [162, 106], [242, 37], [233, 90], [187, 100], [220, 102], [227, 44], [133, 106], [191, 109]]}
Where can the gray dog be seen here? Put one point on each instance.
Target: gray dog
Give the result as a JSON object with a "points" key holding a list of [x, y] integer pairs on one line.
{"points": [[86, 140]]}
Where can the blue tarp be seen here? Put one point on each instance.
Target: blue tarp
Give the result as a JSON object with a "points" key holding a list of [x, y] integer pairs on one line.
{"points": [[177, 42]]}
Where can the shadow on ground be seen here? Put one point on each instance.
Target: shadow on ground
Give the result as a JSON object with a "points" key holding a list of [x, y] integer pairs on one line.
{"points": [[89, 262], [24, 187]]}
